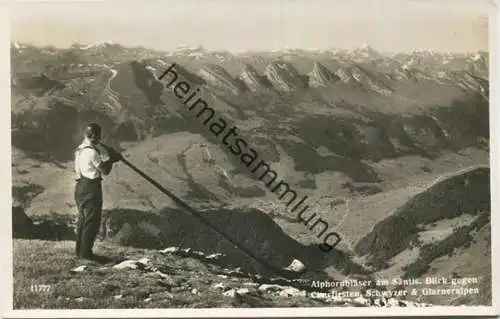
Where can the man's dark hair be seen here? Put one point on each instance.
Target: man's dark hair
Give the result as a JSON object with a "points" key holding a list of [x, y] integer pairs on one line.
{"points": [[92, 130]]}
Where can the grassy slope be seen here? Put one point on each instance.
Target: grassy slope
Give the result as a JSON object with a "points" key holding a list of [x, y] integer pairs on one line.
{"points": [[464, 261], [48, 263]]}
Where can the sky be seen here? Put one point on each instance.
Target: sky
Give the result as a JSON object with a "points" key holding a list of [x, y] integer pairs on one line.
{"points": [[246, 25]]}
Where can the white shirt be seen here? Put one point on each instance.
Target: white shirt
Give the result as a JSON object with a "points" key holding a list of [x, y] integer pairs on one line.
{"points": [[87, 159]]}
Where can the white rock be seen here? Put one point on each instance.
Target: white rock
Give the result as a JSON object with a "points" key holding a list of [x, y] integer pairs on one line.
{"points": [[290, 292], [220, 286], [144, 261], [168, 295], [230, 293], [242, 291], [169, 250], [80, 268], [214, 256], [296, 266], [118, 296], [80, 299], [127, 264], [162, 275], [147, 300], [267, 287], [235, 271], [251, 284], [194, 291]]}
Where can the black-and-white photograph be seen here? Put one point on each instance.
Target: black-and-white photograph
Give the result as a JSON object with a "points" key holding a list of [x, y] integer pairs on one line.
{"points": [[250, 154]]}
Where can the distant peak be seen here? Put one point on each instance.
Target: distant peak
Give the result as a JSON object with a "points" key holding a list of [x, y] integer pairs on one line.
{"points": [[424, 51], [18, 45], [189, 48], [321, 76]]}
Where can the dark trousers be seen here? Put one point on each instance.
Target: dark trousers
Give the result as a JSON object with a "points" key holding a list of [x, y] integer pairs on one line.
{"points": [[88, 197]]}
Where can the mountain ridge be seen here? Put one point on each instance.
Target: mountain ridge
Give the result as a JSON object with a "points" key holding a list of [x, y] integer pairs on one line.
{"points": [[357, 132]]}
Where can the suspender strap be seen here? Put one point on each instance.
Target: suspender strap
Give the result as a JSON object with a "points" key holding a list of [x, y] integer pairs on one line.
{"points": [[88, 146], [78, 150]]}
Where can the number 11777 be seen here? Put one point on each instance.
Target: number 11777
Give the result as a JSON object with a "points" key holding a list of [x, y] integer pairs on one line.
{"points": [[39, 288]]}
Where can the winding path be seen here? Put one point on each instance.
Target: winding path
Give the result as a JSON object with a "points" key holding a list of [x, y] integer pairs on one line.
{"points": [[113, 95]]}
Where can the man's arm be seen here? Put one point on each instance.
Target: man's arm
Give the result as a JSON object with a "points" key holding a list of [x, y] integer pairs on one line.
{"points": [[105, 166]]}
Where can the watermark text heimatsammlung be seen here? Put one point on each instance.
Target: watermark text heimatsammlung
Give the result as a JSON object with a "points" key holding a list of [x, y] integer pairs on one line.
{"points": [[247, 155]]}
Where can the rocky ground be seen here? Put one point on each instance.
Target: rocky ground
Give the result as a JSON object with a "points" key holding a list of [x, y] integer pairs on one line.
{"points": [[159, 279]]}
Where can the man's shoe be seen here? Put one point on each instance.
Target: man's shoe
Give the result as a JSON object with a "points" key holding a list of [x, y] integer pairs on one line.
{"points": [[96, 258], [86, 260]]}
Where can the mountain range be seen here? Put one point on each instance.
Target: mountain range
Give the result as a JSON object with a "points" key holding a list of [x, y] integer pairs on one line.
{"points": [[364, 134]]}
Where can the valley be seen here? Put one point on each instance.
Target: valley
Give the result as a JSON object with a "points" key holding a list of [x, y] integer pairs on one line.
{"points": [[392, 152]]}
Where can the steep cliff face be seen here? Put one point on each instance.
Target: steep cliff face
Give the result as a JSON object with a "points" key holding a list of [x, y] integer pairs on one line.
{"points": [[320, 76], [343, 74], [369, 81], [217, 76], [478, 64], [400, 74], [284, 76], [440, 76], [252, 79], [159, 66], [468, 81]]}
